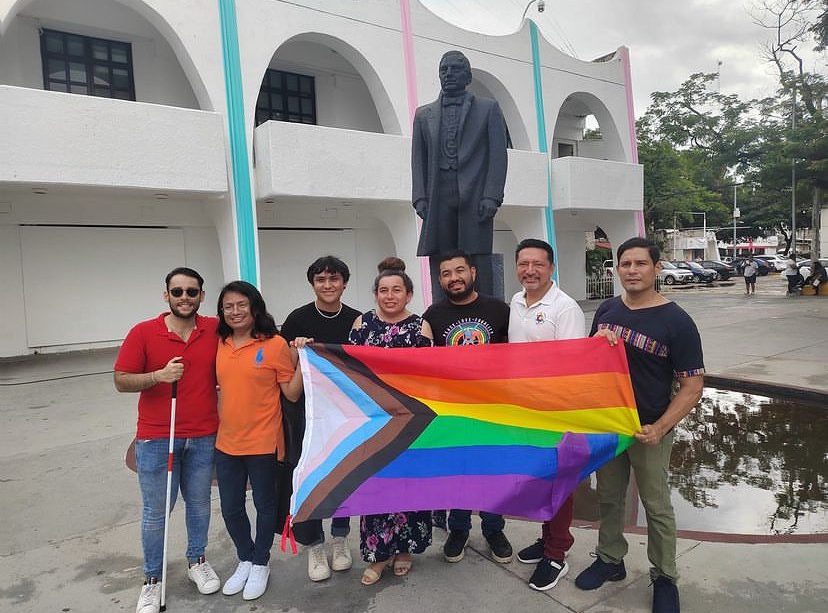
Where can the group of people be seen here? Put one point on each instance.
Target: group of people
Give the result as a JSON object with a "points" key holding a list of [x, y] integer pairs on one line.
{"points": [[240, 431], [796, 282]]}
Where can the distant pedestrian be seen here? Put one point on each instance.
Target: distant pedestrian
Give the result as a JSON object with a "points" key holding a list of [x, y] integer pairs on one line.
{"points": [[818, 276], [750, 271], [793, 275]]}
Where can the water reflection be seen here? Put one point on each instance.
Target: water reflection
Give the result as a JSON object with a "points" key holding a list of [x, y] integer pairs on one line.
{"points": [[765, 457], [745, 464]]}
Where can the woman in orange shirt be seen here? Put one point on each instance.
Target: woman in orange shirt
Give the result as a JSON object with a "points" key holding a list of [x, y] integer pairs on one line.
{"points": [[254, 366]]}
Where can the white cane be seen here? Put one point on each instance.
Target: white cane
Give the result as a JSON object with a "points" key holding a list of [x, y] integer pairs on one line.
{"points": [[169, 493]]}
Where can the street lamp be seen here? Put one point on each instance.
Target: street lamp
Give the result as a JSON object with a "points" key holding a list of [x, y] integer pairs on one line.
{"points": [[541, 7]]}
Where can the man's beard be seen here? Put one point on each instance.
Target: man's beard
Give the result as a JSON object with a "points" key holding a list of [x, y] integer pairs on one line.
{"points": [[467, 291], [180, 315]]}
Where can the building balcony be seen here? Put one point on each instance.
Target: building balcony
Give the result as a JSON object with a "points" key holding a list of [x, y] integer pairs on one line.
{"points": [[299, 161], [585, 183], [52, 138]]}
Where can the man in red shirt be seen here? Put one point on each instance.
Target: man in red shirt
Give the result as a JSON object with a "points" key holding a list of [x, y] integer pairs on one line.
{"points": [[179, 345]]}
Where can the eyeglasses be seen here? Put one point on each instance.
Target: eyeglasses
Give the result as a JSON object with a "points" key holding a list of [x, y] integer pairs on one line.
{"points": [[177, 292], [242, 307]]}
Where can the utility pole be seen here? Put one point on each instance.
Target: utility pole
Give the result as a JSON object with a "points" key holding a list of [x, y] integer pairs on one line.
{"points": [[735, 217], [793, 180]]}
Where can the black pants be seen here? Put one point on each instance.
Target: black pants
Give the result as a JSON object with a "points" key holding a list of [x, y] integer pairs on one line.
{"points": [[310, 533], [233, 473]]}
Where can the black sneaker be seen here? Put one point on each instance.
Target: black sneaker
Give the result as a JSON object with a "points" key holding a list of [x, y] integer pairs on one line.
{"points": [[455, 547], [665, 596], [500, 546], [547, 574], [532, 554], [599, 573], [438, 519]]}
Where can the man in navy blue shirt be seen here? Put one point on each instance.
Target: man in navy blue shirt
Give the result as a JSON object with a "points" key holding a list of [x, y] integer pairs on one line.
{"points": [[662, 345]]}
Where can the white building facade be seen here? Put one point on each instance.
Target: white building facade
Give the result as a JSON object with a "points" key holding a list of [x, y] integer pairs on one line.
{"points": [[245, 139]]}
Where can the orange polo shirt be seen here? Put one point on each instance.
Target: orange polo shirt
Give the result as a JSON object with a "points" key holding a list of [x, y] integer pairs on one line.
{"points": [[250, 410]]}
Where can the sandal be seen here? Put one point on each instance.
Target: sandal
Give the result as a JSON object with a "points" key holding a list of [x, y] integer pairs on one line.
{"points": [[402, 567], [370, 576]]}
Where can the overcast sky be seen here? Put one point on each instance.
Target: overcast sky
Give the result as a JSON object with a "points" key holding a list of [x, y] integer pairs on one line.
{"points": [[668, 39]]}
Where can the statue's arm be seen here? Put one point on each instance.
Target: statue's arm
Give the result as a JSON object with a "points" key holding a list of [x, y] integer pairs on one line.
{"points": [[496, 172], [419, 168]]}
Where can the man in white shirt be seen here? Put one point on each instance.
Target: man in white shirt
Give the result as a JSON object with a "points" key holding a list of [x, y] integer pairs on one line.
{"points": [[542, 312]]}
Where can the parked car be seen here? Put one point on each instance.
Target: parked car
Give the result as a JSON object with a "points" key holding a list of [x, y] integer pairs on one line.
{"points": [[725, 270], [671, 274], [700, 274], [762, 265], [777, 262]]}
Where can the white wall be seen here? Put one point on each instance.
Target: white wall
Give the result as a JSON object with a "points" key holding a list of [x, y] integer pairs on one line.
{"points": [[287, 253], [89, 141], [158, 74], [12, 328]]}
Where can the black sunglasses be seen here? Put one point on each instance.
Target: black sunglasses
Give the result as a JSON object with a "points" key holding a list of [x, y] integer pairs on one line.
{"points": [[177, 292]]}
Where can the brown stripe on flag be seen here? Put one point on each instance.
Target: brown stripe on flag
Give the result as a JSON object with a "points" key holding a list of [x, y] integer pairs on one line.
{"points": [[410, 418]]}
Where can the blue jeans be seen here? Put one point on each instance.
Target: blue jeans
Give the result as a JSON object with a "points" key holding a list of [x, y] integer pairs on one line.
{"points": [[233, 472], [460, 519], [193, 474]]}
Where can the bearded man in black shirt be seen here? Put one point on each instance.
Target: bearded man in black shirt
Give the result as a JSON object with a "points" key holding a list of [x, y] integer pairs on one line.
{"points": [[468, 318]]}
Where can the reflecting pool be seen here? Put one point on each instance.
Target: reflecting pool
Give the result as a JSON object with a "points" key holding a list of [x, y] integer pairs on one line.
{"points": [[744, 464]]}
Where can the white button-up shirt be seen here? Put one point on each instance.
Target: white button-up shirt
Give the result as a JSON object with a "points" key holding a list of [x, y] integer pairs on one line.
{"points": [[554, 317]]}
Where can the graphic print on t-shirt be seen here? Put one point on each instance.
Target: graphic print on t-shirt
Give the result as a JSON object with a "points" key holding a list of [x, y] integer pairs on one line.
{"points": [[468, 331]]}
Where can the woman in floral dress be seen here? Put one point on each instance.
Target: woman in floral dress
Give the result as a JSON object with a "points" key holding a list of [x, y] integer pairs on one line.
{"points": [[390, 539]]}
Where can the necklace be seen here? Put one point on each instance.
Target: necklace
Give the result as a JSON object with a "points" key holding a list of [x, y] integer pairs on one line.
{"points": [[322, 313]]}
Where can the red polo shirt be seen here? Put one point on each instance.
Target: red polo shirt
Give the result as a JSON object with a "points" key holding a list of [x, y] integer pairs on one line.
{"points": [[148, 347]]}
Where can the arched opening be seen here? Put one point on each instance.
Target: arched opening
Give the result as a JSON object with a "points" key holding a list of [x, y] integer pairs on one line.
{"points": [[317, 79], [102, 48], [488, 86], [585, 128]]}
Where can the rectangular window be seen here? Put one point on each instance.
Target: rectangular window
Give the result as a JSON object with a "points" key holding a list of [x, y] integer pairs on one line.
{"points": [[85, 65], [286, 96]]}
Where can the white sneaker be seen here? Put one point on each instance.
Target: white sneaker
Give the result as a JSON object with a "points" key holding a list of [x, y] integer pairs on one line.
{"points": [[150, 599], [203, 575], [341, 556], [318, 569], [237, 580], [256, 582]]}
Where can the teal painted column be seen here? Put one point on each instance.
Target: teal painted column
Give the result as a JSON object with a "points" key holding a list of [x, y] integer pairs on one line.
{"points": [[239, 157], [542, 144]]}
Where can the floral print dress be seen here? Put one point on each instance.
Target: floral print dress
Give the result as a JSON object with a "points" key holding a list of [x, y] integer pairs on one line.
{"points": [[384, 536]]}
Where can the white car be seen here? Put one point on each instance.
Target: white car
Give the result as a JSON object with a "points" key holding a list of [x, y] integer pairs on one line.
{"points": [[777, 262], [670, 274]]}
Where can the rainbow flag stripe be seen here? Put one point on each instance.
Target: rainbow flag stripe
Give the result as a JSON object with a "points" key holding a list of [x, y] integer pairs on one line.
{"points": [[508, 428]]}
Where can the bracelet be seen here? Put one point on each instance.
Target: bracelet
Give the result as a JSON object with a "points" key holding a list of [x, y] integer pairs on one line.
{"points": [[152, 377]]}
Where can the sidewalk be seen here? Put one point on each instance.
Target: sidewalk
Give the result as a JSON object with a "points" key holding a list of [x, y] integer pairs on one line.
{"points": [[69, 535]]}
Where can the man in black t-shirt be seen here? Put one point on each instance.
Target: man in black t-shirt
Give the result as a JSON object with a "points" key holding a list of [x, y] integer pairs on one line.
{"points": [[467, 318], [325, 320], [662, 345]]}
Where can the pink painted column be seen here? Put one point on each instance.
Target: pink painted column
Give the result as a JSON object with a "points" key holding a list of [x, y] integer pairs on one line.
{"points": [[625, 60], [411, 93]]}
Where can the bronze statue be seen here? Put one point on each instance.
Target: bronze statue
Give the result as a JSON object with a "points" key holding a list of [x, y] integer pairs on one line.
{"points": [[458, 164]]}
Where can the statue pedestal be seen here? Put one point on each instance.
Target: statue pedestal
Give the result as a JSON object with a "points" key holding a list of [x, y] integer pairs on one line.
{"points": [[489, 276]]}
